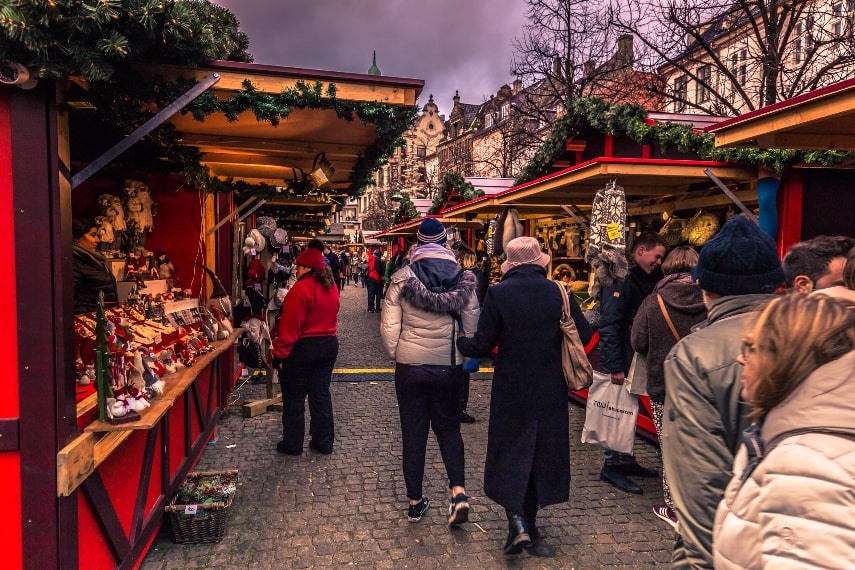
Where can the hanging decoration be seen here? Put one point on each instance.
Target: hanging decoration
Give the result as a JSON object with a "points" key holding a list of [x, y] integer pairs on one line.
{"points": [[406, 211], [606, 252]]}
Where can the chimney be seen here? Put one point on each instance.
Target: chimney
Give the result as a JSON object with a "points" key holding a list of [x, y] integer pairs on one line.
{"points": [[517, 86], [625, 54], [557, 70]]}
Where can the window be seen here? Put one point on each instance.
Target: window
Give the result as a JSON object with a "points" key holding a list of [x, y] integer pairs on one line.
{"points": [[743, 68], [702, 92], [421, 151], [488, 120], [681, 88], [380, 177], [393, 174], [797, 56], [506, 110]]}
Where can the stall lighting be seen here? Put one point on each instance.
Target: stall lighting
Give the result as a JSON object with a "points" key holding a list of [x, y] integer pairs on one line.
{"points": [[322, 171]]}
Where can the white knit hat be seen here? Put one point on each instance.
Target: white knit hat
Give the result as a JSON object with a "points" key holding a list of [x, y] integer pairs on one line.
{"points": [[524, 251]]}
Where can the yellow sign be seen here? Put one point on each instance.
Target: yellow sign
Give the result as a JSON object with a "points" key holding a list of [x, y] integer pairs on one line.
{"points": [[613, 232]]}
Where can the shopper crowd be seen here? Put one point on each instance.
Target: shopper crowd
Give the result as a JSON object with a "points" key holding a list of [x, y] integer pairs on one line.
{"points": [[750, 367]]}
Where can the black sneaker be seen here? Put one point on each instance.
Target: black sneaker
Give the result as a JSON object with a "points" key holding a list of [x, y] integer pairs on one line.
{"points": [[458, 510], [417, 511], [466, 418]]}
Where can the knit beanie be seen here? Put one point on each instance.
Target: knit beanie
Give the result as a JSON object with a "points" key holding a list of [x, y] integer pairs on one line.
{"points": [[431, 230], [739, 260], [311, 258]]}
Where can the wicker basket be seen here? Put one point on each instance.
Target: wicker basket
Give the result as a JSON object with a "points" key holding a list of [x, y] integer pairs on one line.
{"points": [[206, 524]]}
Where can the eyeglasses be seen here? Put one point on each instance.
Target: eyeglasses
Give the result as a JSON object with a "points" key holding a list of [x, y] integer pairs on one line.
{"points": [[748, 349]]}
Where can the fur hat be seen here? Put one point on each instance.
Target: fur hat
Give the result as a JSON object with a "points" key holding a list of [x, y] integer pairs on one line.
{"points": [[431, 230], [254, 240], [311, 258], [266, 225], [739, 260], [524, 251], [278, 238]]}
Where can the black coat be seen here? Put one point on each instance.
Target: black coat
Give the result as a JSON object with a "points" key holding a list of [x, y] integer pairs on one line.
{"points": [[529, 427], [618, 305], [90, 278]]}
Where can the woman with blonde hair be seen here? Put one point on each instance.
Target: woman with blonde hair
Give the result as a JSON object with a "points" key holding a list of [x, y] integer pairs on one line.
{"points": [[792, 495]]}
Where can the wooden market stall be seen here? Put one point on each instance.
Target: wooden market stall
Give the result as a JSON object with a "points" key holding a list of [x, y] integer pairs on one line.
{"points": [[81, 492], [812, 200]]}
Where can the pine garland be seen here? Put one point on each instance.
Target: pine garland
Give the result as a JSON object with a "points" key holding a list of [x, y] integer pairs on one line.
{"points": [[629, 119], [121, 103], [453, 180]]}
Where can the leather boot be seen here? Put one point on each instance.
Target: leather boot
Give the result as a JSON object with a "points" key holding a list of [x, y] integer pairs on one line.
{"points": [[518, 537]]}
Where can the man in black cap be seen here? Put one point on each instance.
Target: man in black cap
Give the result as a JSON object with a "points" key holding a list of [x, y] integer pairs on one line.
{"points": [[704, 417]]}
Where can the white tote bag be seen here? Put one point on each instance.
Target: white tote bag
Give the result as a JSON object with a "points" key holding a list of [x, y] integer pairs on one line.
{"points": [[610, 415]]}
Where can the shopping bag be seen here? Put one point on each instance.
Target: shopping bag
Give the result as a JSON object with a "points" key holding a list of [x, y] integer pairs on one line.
{"points": [[610, 415], [636, 379], [471, 365]]}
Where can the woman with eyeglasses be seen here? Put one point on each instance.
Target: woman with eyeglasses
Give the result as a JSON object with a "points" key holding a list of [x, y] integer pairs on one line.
{"points": [[791, 501]]}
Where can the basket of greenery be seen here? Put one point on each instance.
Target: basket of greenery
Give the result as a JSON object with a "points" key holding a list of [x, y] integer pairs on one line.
{"points": [[198, 511]]}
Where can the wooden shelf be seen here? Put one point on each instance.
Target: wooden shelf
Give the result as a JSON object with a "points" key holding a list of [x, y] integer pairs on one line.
{"points": [[176, 385], [564, 258], [83, 455]]}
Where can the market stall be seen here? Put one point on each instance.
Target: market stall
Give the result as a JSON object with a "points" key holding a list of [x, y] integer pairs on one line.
{"points": [[114, 478]]}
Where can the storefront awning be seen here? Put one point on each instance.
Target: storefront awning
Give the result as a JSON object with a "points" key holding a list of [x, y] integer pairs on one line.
{"points": [[578, 184], [411, 227], [258, 152], [820, 120]]}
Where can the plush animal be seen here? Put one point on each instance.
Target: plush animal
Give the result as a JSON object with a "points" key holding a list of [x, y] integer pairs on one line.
{"points": [[254, 243]]}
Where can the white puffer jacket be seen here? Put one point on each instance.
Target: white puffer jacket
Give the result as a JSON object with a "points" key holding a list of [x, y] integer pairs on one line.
{"points": [[416, 325], [796, 509]]}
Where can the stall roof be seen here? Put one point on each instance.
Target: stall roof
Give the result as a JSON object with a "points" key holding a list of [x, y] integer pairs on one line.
{"points": [[411, 227], [258, 152], [578, 184], [822, 120]]}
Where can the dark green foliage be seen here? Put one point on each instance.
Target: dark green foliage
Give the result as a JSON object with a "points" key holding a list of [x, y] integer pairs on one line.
{"points": [[629, 119], [454, 180], [406, 211]]}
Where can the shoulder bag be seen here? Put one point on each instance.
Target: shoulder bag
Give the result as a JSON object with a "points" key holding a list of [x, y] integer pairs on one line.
{"points": [[578, 372]]}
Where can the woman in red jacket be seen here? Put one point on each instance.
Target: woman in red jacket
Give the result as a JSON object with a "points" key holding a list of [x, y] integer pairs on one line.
{"points": [[304, 353]]}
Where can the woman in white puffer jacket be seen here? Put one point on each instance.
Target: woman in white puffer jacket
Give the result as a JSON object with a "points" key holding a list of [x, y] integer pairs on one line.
{"points": [[791, 502], [428, 303]]}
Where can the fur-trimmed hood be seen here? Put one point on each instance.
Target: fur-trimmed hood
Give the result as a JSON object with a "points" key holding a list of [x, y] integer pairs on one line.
{"points": [[449, 299]]}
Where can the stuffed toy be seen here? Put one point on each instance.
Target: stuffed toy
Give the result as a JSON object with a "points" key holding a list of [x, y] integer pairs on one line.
{"points": [[139, 205], [165, 267], [700, 228]]}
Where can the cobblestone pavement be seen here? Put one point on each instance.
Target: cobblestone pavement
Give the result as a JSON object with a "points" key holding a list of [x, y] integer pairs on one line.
{"points": [[348, 509]]}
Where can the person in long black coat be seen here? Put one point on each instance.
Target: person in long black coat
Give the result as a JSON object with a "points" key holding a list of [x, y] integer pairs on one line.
{"points": [[528, 451]]}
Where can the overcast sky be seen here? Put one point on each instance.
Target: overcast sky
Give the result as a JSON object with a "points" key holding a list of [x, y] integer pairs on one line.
{"points": [[452, 45]]}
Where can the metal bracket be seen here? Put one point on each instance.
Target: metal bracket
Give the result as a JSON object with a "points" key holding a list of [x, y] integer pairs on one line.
{"points": [[251, 210], [143, 130], [732, 196], [576, 217]]}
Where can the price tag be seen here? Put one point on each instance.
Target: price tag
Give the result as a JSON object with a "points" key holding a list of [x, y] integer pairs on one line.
{"points": [[158, 338], [252, 251], [613, 231], [244, 372], [190, 509]]}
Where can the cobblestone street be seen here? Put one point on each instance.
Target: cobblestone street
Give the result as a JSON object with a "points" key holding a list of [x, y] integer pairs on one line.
{"points": [[348, 509]]}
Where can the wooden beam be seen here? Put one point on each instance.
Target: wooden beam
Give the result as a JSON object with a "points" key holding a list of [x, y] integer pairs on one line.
{"points": [[814, 141]]}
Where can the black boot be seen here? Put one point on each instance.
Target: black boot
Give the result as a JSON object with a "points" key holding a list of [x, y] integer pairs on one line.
{"points": [[618, 479], [518, 537]]}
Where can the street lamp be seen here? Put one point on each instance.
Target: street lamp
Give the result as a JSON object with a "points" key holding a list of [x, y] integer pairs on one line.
{"points": [[397, 199]]}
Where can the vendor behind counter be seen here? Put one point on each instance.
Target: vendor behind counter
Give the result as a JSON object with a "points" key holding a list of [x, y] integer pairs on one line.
{"points": [[91, 275]]}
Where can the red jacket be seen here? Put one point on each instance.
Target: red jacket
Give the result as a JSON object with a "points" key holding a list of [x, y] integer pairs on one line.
{"points": [[309, 310]]}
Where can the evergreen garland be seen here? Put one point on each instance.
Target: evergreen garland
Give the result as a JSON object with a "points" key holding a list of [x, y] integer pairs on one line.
{"points": [[631, 119], [406, 211], [121, 102], [454, 180]]}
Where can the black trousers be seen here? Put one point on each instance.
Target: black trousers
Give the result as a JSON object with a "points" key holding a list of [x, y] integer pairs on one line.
{"points": [[375, 294], [429, 397], [307, 372]]}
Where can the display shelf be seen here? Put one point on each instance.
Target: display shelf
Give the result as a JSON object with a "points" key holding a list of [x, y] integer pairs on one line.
{"points": [[176, 385], [565, 258]]}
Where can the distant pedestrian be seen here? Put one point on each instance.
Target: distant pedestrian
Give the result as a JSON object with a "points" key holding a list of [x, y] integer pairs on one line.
{"points": [[304, 353], [344, 269], [430, 303], [374, 281], [528, 442], [469, 262]]}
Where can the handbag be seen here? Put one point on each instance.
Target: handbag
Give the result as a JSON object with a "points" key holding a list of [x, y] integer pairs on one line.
{"points": [[636, 379], [610, 415], [578, 372]]}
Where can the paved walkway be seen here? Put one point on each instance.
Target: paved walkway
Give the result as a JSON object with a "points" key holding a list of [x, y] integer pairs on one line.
{"points": [[347, 509]]}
